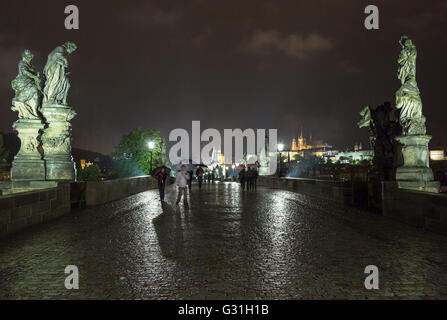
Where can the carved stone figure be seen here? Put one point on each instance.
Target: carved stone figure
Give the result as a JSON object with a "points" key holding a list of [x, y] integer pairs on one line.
{"points": [[57, 83], [28, 164], [44, 125], [415, 172], [27, 88], [408, 98], [383, 130], [57, 134]]}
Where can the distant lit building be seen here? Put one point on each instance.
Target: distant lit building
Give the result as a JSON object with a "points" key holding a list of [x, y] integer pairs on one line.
{"points": [[358, 147], [301, 147], [301, 143], [353, 156], [437, 155]]}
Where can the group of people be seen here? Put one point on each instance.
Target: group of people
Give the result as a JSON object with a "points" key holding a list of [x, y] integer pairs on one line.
{"points": [[183, 181], [201, 178], [249, 178]]}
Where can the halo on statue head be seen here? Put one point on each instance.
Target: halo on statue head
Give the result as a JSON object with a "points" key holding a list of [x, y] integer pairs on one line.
{"points": [[405, 41], [70, 46], [28, 55]]}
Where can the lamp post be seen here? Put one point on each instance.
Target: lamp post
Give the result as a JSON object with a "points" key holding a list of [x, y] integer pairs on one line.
{"points": [[280, 149], [151, 145]]}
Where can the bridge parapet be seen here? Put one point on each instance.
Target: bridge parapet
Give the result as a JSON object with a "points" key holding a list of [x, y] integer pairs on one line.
{"points": [[417, 208], [21, 210]]}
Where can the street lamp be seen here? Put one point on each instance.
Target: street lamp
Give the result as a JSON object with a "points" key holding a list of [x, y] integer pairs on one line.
{"points": [[151, 146], [280, 149]]}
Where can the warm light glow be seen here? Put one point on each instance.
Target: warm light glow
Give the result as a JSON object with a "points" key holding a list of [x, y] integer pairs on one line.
{"points": [[280, 147], [437, 155], [151, 145]]}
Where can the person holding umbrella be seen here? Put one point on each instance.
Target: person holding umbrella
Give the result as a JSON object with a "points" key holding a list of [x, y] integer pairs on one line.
{"points": [[161, 174]]}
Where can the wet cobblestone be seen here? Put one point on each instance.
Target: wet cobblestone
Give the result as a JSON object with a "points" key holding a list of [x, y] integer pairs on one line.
{"points": [[229, 244]]}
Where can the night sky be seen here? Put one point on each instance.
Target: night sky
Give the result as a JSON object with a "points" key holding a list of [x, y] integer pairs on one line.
{"points": [[230, 64]]}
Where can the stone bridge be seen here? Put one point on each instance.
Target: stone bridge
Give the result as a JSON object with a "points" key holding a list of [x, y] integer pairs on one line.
{"points": [[228, 244]]}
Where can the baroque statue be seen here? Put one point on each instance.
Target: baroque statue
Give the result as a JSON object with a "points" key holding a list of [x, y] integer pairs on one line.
{"points": [[57, 83], [408, 98], [28, 164], [56, 139], [43, 126], [415, 173], [383, 130], [27, 89]]}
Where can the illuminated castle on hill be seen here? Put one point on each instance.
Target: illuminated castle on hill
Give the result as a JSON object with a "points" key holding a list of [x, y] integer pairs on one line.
{"points": [[301, 144]]}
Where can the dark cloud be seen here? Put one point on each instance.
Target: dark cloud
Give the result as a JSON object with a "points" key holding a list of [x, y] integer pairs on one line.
{"points": [[147, 15], [347, 66], [427, 17], [293, 45], [162, 64]]}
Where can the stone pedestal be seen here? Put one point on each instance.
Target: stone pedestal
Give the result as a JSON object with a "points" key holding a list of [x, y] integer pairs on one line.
{"points": [[57, 143], [416, 174], [28, 164]]}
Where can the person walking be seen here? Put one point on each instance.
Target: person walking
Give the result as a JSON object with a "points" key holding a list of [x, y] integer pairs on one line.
{"points": [[248, 177], [199, 174], [191, 176], [182, 183], [255, 179], [161, 178], [242, 180]]}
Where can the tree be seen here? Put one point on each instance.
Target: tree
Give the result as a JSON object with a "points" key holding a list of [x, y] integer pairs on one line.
{"points": [[3, 153], [90, 173], [132, 156]]}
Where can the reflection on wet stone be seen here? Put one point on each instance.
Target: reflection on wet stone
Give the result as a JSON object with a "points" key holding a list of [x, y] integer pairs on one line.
{"points": [[228, 244]]}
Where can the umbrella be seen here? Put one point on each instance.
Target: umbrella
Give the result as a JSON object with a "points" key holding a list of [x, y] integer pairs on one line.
{"points": [[191, 166], [256, 164], [188, 166], [157, 170]]}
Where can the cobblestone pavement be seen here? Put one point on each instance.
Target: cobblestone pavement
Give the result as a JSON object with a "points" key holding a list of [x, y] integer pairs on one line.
{"points": [[229, 244]]}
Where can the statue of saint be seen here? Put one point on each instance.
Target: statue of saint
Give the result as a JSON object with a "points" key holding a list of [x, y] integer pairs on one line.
{"points": [[408, 98], [57, 83], [27, 88], [383, 131]]}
